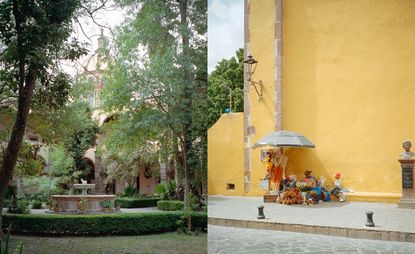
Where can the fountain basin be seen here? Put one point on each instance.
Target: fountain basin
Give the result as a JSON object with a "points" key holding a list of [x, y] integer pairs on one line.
{"points": [[70, 203], [84, 187]]}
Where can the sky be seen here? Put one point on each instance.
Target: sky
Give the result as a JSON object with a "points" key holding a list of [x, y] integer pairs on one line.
{"points": [[107, 18], [225, 30]]}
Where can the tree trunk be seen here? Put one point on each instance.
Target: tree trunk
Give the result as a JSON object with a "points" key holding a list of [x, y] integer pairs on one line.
{"points": [[187, 102], [16, 137], [27, 81]]}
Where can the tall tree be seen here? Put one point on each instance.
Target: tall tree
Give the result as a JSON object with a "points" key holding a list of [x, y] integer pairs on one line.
{"points": [[225, 87], [161, 65], [33, 37]]}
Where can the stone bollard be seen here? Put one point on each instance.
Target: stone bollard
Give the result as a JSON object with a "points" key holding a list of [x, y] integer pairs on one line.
{"points": [[369, 222], [261, 212]]}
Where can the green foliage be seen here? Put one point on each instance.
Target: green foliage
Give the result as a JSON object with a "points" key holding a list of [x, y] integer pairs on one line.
{"points": [[157, 92], [127, 146], [82, 132], [4, 246], [29, 161], [40, 188], [35, 35], [36, 204], [137, 202], [170, 205], [82, 88], [62, 166], [21, 207], [167, 190], [103, 224], [106, 204], [188, 222], [130, 191], [10, 190], [61, 163], [225, 79]]}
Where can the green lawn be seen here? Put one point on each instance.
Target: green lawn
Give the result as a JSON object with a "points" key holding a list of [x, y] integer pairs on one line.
{"points": [[145, 244]]}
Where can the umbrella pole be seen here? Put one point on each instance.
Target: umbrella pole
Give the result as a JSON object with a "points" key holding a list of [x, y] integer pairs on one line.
{"points": [[282, 161]]}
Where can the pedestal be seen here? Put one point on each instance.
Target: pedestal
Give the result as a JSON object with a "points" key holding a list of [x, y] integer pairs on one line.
{"points": [[408, 194], [270, 198]]}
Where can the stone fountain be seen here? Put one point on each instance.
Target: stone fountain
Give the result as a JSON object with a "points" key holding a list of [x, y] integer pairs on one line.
{"points": [[71, 203], [84, 187]]}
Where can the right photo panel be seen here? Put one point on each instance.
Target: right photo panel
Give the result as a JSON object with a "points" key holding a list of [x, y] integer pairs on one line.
{"points": [[310, 126]]}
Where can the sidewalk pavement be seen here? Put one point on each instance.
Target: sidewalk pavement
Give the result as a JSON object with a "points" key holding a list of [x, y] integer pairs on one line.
{"points": [[333, 218]]}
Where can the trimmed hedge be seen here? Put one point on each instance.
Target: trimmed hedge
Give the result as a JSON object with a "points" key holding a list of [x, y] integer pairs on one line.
{"points": [[170, 205], [136, 203], [102, 224]]}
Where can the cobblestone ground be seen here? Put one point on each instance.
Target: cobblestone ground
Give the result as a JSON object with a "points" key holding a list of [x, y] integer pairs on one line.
{"points": [[228, 240]]}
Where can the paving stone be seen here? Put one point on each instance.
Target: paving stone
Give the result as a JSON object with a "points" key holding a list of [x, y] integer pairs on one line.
{"points": [[242, 241]]}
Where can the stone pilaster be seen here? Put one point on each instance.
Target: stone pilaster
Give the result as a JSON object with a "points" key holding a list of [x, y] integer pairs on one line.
{"points": [[99, 182], [247, 104], [408, 194], [278, 66]]}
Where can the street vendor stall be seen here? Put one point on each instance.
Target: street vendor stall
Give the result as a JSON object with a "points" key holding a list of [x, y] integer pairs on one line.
{"points": [[276, 162]]}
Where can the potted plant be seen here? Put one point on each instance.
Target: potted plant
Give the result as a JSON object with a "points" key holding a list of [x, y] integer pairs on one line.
{"points": [[117, 206], [54, 206], [107, 205]]}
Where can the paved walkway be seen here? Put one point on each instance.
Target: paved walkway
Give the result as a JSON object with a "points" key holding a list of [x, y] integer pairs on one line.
{"points": [[349, 215], [228, 240]]}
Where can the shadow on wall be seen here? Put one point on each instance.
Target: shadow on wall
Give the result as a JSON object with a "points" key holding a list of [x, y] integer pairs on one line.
{"points": [[299, 56]]}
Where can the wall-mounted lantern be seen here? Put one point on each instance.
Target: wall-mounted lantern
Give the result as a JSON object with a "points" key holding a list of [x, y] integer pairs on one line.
{"points": [[251, 62]]}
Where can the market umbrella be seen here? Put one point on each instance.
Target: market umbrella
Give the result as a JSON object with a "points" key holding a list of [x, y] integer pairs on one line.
{"points": [[284, 139]]}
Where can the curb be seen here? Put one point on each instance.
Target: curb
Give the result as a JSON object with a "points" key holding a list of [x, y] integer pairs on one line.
{"points": [[384, 235]]}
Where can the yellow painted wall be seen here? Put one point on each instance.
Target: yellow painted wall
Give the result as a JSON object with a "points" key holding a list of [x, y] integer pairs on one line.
{"points": [[261, 22], [349, 86], [349, 77], [226, 155]]}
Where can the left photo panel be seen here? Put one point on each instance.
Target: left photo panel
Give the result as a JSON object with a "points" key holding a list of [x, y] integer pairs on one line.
{"points": [[103, 126]]}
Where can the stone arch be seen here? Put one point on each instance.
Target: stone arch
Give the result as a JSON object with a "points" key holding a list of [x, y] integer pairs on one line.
{"points": [[90, 165]]}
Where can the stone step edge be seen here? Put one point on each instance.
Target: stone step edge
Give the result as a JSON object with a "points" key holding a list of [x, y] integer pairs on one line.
{"points": [[384, 235]]}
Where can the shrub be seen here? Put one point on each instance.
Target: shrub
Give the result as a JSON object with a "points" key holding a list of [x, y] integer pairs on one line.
{"points": [[101, 224], [136, 202], [22, 207], [36, 204], [170, 205], [167, 190], [40, 188], [107, 204], [7, 203], [130, 191]]}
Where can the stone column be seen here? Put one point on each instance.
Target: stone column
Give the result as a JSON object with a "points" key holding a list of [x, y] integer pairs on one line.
{"points": [[163, 172], [408, 194], [99, 185]]}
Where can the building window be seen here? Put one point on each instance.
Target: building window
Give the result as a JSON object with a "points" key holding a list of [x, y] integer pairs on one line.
{"points": [[230, 186]]}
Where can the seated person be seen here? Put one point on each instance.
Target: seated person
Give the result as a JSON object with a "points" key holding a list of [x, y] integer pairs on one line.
{"points": [[290, 182], [338, 191], [309, 179]]}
